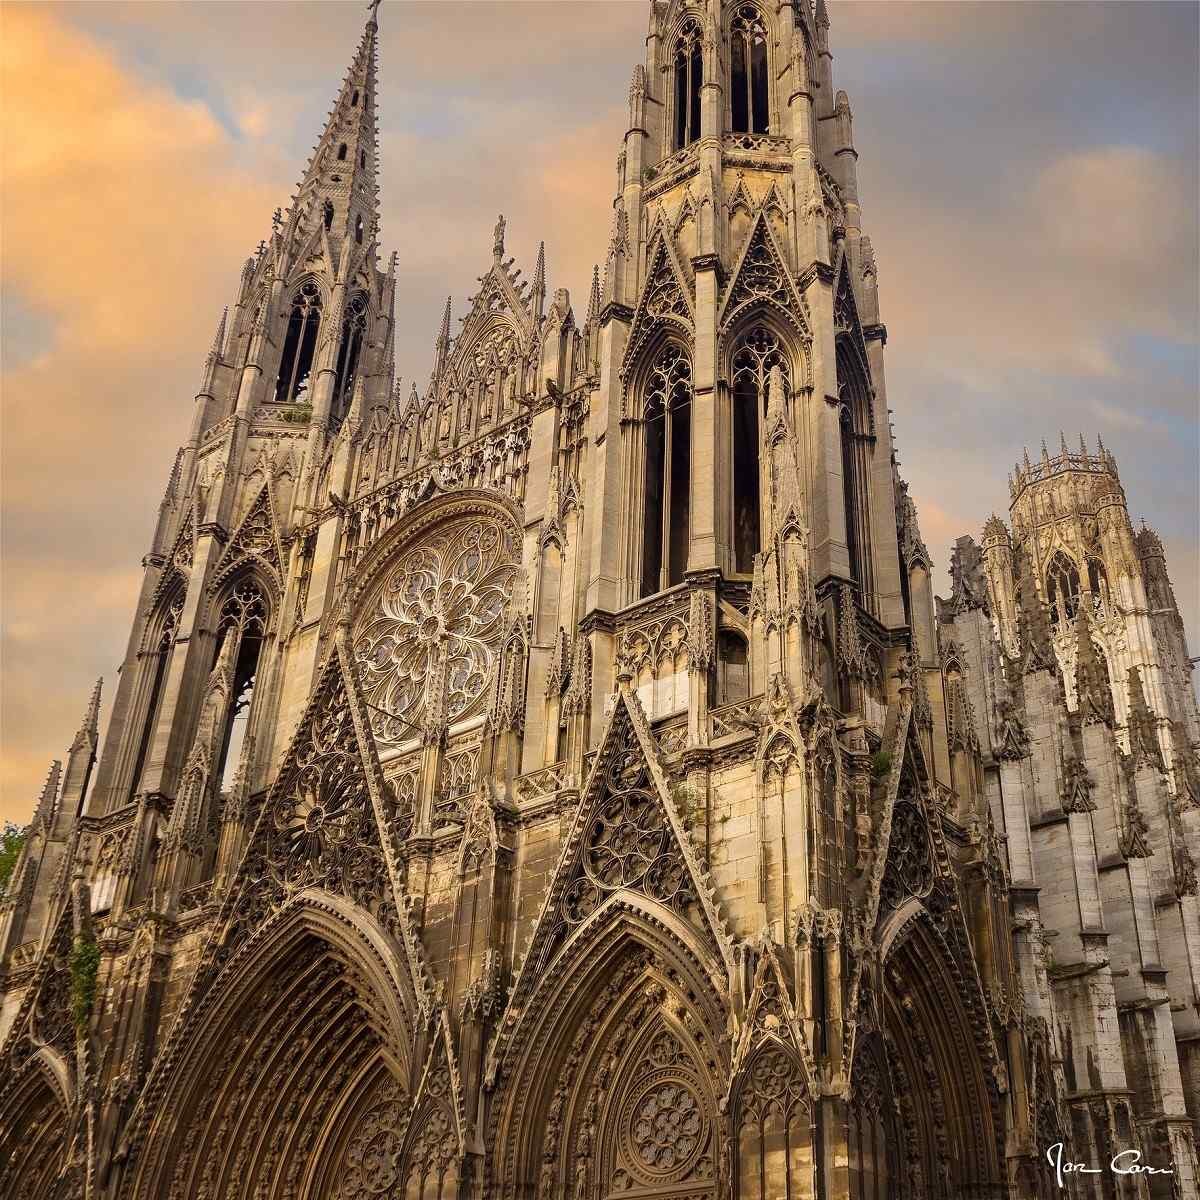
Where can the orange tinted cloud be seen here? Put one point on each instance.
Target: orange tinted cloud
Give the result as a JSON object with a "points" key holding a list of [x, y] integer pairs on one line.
{"points": [[126, 218]]}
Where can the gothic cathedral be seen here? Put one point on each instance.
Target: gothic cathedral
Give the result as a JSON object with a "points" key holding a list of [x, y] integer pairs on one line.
{"points": [[559, 783]]}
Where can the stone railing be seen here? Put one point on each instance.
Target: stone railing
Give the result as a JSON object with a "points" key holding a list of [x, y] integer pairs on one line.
{"points": [[734, 720], [541, 784]]}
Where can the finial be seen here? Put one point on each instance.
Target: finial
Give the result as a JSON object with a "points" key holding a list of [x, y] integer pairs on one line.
{"points": [[1082, 446], [498, 239], [219, 340], [91, 719], [593, 311], [1062, 441], [276, 220], [1045, 452], [444, 332], [49, 794]]}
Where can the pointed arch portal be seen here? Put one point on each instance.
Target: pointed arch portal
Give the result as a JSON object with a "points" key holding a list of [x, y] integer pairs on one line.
{"points": [[296, 1067]]}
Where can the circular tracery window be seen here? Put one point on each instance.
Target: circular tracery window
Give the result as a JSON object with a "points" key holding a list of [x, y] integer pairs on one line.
{"points": [[665, 1127], [435, 626]]}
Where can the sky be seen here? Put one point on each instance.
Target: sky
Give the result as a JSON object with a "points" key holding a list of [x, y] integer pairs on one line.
{"points": [[1028, 174]]}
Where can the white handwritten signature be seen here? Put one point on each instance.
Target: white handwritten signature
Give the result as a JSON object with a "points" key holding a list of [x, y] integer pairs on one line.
{"points": [[1127, 1162]]}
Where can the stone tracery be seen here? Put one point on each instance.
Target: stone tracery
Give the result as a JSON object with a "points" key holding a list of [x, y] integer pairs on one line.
{"points": [[428, 644]]}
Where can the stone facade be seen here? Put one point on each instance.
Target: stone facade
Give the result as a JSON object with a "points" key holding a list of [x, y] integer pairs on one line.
{"points": [[1067, 672], [557, 783]]}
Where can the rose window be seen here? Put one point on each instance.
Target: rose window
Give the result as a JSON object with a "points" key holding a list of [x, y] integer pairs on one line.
{"points": [[665, 1128], [434, 629], [316, 818]]}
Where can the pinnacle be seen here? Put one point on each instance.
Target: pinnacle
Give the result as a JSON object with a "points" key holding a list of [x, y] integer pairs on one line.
{"points": [[594, 298], [49, 794], [348, 146], [91, 719]]}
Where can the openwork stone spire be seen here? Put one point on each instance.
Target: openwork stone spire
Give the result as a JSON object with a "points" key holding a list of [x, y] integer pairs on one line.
{"points": [[339, 187]]}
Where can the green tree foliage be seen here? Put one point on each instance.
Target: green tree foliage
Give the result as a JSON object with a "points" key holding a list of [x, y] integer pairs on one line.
{"points": [[12, 839]]}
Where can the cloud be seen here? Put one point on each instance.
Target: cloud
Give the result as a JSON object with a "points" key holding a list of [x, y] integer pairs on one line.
{"points": [[123, 262], [1027, 175]]}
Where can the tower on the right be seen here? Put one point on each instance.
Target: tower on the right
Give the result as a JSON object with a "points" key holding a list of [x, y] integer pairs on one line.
{"points": [[1065, 641]]}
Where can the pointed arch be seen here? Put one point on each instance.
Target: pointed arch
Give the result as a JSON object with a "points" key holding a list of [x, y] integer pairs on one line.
{"points": [[941, 1062], [687, 81], [292, 383], [318, 998], [34, 1121], [158, 648], [574, 1072], [775, 1134], [1062, 587], [749, 73]]}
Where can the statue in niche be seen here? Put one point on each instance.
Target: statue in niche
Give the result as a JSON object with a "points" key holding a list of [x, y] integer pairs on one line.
{"points": [[404, 442], [464, 410], [446, 420]]}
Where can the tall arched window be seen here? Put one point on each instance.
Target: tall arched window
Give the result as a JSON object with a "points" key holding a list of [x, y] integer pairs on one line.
{"points": [[354, 328], [328, 214], [164, 647], [689, 78], [857, 444], [1097, 584], [1062, 588], [733, 667], [752, 363], [243, 618], [299, 345], [667, 421], [748, 76], [342, 152]]}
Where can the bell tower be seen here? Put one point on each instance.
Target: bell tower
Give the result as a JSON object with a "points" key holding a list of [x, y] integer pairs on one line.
{"points": [[740, 355], [243, 561]]}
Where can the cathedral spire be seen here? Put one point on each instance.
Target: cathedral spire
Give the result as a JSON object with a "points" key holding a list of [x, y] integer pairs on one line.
{"points": [[339, 186], [538, 297]]}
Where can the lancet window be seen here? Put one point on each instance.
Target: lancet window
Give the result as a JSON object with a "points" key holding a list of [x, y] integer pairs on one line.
{"points": [[1097, 584], [751, 372], [733, 667], [299, 345], [354, 328], [1062, 588], [667, 426], [689, 79], [748, 75], [243, 618], [164, 646], [857, 445]]}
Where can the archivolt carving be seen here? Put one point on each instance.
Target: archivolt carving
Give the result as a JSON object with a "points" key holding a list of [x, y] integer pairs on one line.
{"points": [[372, 1166], [427, 647]]}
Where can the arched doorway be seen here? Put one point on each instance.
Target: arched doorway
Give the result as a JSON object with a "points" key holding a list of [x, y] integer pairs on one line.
{"points": [[294, 1075], [939, 1107], [611, 1089], [33, 1126]]}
